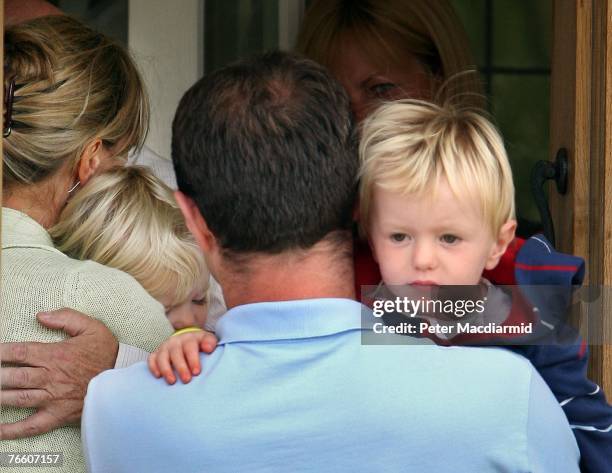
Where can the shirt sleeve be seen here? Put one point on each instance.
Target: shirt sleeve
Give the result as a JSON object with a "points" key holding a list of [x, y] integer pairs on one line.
{"points": [[550, 443], [564, 369], [117, 432], [128, 355]]}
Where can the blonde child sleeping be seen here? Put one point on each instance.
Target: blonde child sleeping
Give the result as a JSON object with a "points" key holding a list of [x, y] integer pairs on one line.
{"points": [[128, 219]]}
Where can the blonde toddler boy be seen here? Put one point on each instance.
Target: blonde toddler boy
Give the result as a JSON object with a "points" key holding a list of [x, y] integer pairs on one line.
{"points": [[437, 207]]}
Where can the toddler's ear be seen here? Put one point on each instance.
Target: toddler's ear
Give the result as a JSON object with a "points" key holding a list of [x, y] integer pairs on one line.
{"points": [[504, 237]]}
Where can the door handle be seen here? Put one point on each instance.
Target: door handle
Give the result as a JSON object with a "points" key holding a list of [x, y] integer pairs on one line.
{"points": [[543, 171]]}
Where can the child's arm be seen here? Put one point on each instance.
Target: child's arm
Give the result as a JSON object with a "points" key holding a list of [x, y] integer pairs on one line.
{"points": [[181, 352], [563, 367]]}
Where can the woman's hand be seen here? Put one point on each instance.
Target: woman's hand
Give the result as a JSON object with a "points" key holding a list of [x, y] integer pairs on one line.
{"points": [[181, 353]]}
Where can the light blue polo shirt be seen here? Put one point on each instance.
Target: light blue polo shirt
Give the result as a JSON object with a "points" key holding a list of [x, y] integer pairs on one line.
{"points": [[291, 388]]}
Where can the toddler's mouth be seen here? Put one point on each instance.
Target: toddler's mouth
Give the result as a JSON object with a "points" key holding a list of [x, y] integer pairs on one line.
{"points": [[424, 283]]}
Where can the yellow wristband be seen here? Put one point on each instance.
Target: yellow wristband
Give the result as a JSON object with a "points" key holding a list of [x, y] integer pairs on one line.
{"points": [[187, 330]]}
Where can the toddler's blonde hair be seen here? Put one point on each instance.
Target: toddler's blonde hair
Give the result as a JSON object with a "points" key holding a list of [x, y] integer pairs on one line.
{"points": [[128, 219], [408, 146]]}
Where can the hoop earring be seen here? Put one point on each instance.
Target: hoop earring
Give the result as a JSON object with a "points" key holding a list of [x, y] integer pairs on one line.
{"points": [[74, 187]]}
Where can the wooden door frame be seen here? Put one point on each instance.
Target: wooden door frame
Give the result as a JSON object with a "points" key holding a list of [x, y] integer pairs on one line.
{"points": [[581, 121]]}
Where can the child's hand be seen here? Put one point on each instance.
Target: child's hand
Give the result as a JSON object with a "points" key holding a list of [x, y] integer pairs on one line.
{"points": [[181, 352]]}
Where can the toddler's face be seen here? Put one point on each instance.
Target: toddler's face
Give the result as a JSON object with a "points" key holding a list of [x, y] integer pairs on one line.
{"points": [[421, 241], [192, 312]]}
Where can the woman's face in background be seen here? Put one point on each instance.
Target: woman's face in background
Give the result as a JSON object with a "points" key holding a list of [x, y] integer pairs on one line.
{"points": [[368, 83]]}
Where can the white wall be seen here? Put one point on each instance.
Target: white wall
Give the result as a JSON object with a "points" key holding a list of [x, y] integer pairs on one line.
{"points": [[167, 41]]}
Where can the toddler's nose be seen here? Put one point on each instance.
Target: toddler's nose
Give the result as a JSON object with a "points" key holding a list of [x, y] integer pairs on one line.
{"points": [[424, 256]]}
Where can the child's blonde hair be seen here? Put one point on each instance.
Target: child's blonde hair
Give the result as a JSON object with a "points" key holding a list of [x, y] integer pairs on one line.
{"points": [[408, 146], [128, 219]]}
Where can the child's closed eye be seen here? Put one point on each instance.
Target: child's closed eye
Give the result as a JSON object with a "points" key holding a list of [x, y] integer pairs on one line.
{"points": [[201, 301]]}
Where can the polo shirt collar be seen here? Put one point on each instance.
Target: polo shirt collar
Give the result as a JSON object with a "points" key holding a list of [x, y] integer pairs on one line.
{"points": [[297, 319]]}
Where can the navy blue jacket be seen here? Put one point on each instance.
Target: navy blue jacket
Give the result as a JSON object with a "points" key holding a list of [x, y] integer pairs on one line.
{"points": [[564, 365]]}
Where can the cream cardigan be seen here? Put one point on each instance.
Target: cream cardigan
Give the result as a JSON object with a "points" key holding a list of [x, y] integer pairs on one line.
{"points": [[37, 277]]}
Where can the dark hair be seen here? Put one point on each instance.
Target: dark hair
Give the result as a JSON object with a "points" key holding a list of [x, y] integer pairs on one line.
{"points": [[266, 148]]}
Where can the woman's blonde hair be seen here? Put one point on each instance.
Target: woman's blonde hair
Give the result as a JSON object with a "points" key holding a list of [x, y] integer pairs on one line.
{"points": [[408, 146], [128, 219], [387, 30], [72, 85]]}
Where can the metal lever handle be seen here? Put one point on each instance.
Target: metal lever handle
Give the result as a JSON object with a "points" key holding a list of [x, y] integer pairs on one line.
{"points": [[542, 172]]}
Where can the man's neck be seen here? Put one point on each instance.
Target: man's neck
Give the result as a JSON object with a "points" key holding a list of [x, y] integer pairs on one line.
{"points": [[324, 271]]}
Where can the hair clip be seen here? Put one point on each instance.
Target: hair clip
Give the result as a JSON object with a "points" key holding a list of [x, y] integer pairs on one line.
{"points": [[9, 96]]}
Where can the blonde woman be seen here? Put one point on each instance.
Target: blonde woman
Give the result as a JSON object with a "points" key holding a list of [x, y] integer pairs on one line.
{"points": [[387, 50], [74, 106]]}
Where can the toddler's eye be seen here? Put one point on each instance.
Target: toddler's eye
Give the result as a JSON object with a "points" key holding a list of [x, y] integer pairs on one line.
{"points": [[201, 301], [449, 239], [398, 237]]}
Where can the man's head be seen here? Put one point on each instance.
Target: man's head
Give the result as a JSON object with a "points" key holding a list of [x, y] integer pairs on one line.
{"points": [[436, 193], [265, 148]]}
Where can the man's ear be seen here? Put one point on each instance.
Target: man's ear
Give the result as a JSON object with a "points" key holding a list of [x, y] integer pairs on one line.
{"points": [[195, 222], [504, 237], [90, 160]]}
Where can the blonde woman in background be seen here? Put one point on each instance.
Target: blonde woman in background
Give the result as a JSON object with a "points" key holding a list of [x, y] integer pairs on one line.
{"points": [[74, 107], [388, 50]]}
